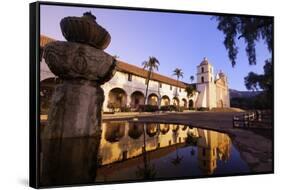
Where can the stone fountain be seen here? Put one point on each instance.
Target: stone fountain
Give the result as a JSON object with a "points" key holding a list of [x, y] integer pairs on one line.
{"points": [[71, 138]]}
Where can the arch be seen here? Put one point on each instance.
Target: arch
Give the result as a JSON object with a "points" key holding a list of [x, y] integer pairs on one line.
{"points": [[190, 103], [176, 101], [184, 127], [152, 99], [202, 79], [117, 98], [114, 131], [152, 129], [175, 127], [47, 89], [135, 130], [165, 100], [137, 98], [184, 103], [164, 128]]}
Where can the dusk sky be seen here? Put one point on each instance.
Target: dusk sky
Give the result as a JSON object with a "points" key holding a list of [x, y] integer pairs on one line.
{"points": [[176, 40]]}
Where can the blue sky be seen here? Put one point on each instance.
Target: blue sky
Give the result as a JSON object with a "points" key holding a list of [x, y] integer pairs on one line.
{"points": [[176, 40]]}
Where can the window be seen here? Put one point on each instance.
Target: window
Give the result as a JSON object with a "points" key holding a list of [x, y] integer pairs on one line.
{"points": [[180, 89], [202, 70], [160, 85], [202, 79], [171, 88], [211, 79], [129, 77]]}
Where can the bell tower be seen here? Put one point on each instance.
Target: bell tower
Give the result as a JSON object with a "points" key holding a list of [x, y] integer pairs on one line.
{"points": [[205, 85], [205, 72]]}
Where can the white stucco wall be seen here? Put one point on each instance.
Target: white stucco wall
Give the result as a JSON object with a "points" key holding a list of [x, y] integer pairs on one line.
{"points": [[120, 80], [209, 95]]}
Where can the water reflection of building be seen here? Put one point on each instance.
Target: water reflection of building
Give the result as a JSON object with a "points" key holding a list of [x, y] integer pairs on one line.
{"points": [[124, 140], [212, 146]]}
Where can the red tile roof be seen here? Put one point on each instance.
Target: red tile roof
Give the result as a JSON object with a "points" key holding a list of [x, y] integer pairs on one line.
{"points": [[128, 68]]}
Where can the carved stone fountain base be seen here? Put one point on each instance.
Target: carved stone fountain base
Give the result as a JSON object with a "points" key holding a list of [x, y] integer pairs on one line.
{"points": [[75, 110], [70, 141]]}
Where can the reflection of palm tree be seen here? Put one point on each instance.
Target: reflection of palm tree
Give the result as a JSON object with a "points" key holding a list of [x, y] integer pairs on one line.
{"points": [[177, 160], [148, 170], [191, 140], [192, 152], [151, 64]]}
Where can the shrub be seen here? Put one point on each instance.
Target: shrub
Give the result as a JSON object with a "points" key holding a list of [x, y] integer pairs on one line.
{"points": [[203, 109], [181, 108], [168, 108], [112, 106], [125, 109], [148, 108]]}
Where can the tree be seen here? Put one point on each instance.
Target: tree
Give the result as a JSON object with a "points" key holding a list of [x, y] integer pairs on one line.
{"points": [[251, 29], [179, 73], [151, 64], [252, 81], [190, 90], [191, 78], [262, 82]]}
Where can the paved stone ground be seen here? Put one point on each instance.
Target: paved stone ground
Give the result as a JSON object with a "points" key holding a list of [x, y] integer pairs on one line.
{"points": [[255, 146]]}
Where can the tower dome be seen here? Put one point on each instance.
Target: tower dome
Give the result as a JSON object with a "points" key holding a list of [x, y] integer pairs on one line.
{"points": [[204, 62], [221, 74]]}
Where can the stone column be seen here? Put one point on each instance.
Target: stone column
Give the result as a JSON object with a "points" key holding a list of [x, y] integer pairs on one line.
{"points": [[70, 142]]}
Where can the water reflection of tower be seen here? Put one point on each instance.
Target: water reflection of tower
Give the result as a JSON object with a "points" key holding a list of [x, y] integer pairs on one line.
{"points": [[223, 147], [212, 146], [207, 151]]}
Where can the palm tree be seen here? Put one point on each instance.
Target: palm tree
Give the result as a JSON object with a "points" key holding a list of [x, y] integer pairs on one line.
{"points": [[191, 78], [179, 73], [151, 64]]}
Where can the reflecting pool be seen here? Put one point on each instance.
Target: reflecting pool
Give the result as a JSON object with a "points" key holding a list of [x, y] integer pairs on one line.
{"points": [[125, 151], [133, 150]]}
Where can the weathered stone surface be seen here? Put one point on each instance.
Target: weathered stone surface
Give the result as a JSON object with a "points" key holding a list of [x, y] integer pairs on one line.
{"points": [[85, 30], [75, 110], [70, 60]]}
